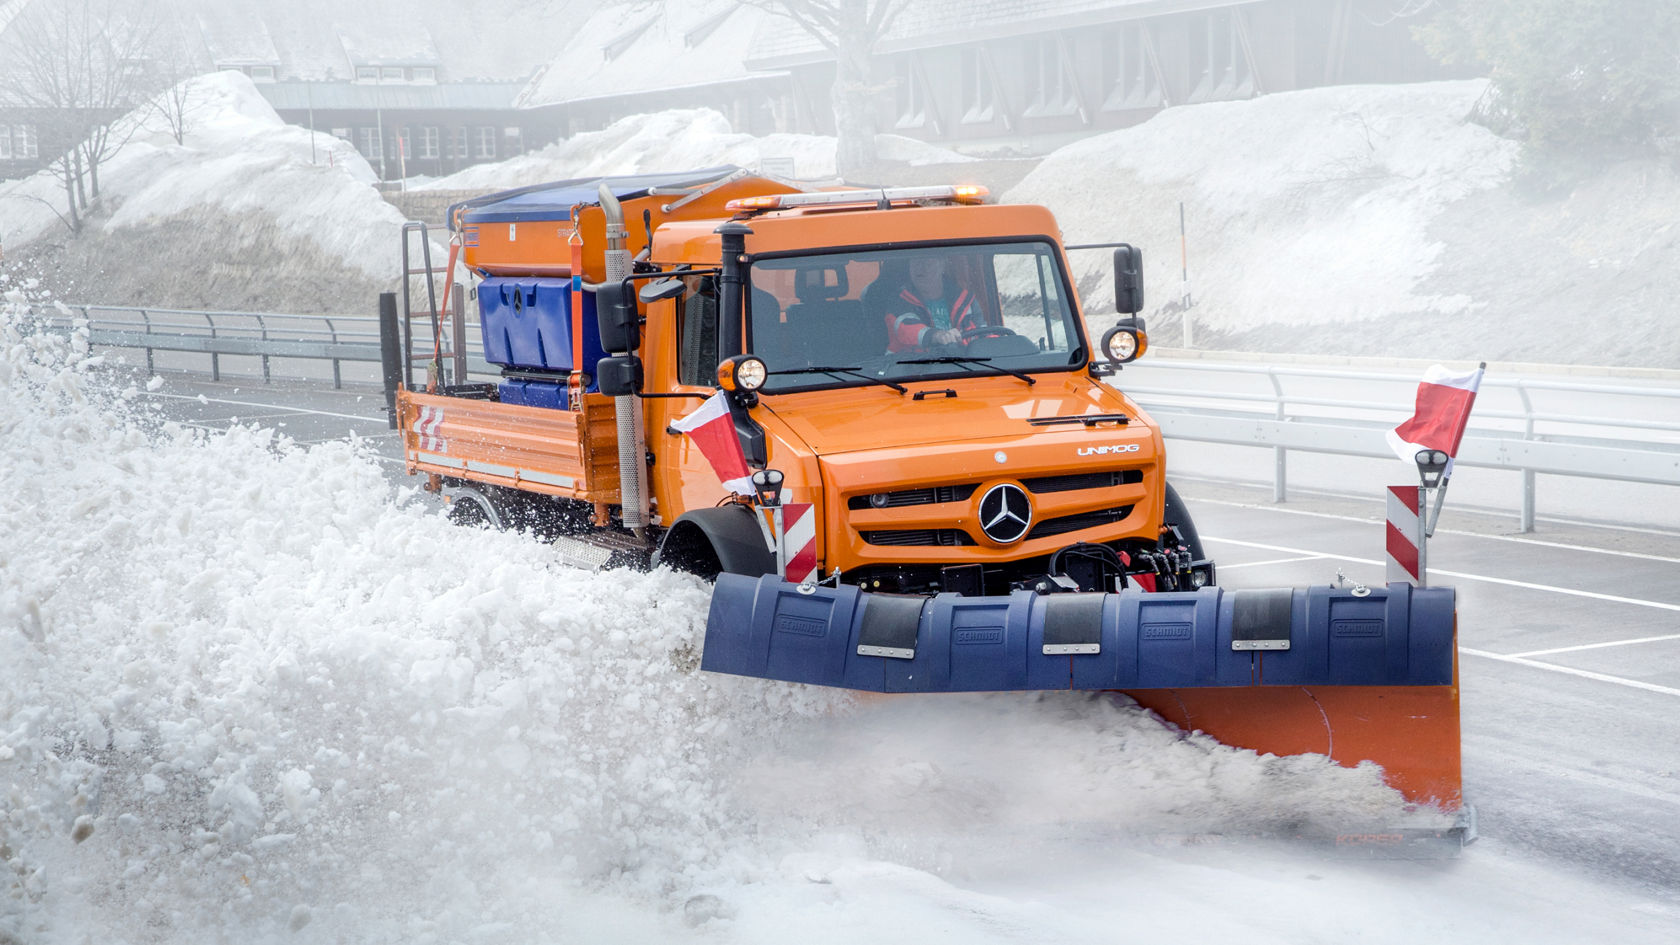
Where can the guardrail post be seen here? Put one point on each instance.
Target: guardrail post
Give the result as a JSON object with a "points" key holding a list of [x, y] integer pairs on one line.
{"points": [[262, 327], [147, 318], [1280, 456], [1526, 518], [215, 356], [390, 353], [338, 378]]}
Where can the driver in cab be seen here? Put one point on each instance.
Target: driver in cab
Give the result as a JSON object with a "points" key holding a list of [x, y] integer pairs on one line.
{"points": [[929, 311]]}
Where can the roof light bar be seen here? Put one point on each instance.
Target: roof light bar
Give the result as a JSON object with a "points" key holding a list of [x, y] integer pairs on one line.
{"points": [[960, 193]]}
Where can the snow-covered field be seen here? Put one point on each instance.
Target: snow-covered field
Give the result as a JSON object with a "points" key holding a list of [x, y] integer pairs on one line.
{"points": [[251, 692]]}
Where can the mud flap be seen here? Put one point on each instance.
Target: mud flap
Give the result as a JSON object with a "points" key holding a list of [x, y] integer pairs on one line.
{"points": [[1355, 674]]}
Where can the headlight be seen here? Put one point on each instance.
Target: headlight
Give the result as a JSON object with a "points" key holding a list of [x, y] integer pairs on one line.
{"points": [[1124, 343], [742, 372]]}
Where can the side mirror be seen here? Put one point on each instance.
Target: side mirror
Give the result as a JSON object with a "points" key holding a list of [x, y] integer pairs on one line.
{"points": [[619, 376], [617, 317], [1128, 280]]}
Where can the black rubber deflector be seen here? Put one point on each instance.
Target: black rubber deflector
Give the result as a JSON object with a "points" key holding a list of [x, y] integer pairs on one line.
{"points": [[1073, 623], [1261, 617], [889, 625]]}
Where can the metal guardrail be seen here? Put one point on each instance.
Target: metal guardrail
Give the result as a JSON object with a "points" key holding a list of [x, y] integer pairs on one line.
{"points": [[1529, 437], [1625, 443], [264, 335]]}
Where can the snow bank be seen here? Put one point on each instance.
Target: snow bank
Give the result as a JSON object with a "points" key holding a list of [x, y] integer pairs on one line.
{"points": [[253, 692], [1301, 207], [239, 158], [680, 139]]}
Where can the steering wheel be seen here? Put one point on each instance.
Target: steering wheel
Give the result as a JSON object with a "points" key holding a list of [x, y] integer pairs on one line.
{"points": [[988, 331]]}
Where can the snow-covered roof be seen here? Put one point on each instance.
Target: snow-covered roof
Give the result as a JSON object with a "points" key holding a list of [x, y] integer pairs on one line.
{"points": [[780, 43], [235, 35], [397, 43], [648, 47]]}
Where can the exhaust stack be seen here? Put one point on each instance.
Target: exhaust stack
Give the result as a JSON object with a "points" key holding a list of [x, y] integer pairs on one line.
{"points": [[628, 408]]}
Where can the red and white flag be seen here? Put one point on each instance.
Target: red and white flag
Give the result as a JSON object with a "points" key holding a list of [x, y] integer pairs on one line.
{"points": [[1444, 400], [713, 430]]}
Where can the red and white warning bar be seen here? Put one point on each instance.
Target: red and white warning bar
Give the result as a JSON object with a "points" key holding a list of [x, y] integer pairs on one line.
{"points": [[1402, 541], [799, 541], [426, 429]]}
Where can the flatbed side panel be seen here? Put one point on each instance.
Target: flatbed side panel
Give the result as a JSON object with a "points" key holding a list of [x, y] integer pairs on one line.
{"points": [[536, 449]]}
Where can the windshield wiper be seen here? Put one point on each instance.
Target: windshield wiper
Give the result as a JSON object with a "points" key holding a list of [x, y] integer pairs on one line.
{"points": [[954, 359], [853, 371]]}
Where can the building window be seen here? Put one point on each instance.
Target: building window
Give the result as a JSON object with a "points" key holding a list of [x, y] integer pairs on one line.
{"points": [[428, 142], [912, 96], [5, 143], [24, 145], [425, 74], [1050, 78], [459, 147], [1218, 62], [391, 74], [405, 143], [484, 142], [367, 73], [513, 141], [370, 145], [262, 73], [1128, 69], [978, 92], [342, 133]]}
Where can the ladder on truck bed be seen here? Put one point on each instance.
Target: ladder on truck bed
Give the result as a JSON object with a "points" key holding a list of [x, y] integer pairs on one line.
{"points": [[449, 347]]}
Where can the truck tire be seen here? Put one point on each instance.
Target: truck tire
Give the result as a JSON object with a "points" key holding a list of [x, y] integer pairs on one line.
{"points": [[707, 542], [471, 508]]}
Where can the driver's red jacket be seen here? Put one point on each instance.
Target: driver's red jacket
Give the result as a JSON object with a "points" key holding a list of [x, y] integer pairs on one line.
{"points": [[906, 329]]}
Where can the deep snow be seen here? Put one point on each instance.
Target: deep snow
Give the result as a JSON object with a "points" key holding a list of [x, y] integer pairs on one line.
{"points": [[250, 691]]}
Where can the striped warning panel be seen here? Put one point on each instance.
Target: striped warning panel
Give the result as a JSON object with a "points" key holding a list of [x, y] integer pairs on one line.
{"points": [[426, 429], [799, 540], [1402, 536]]}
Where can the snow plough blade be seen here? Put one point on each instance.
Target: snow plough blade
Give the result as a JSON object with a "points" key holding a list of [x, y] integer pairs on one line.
{"points": [[1358, 674]]}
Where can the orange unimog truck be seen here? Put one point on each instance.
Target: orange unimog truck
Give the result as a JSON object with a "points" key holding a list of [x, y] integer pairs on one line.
{"points": [[877, 420]]}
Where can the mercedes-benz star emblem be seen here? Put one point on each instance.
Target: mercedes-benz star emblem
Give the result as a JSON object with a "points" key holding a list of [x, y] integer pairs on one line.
{"points": [[1005, 513]]}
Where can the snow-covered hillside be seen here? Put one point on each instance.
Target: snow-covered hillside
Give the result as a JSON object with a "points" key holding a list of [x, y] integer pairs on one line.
{"points": [[250, 692], [1373, 220], [246, 195], [677, 140]]}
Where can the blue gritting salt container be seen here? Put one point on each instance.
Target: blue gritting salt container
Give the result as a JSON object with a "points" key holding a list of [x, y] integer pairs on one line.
{"points": [[527, 323]]}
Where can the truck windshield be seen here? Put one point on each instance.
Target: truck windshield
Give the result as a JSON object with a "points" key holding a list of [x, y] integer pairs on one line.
{"points": [[909, 314]]}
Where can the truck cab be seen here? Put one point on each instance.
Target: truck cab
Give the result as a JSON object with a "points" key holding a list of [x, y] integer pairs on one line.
{"points": [[931, 396]]}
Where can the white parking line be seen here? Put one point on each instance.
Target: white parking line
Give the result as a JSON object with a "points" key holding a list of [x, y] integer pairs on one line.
{"points": [[1486, 579], [1598, 646], [1255, 564], [1572, 671], [295, 410], [1513, 539]]}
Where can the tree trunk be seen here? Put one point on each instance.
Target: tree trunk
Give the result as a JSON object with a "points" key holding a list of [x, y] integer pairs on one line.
{"points": [[75, 220], [854, 113], [76, 166]]}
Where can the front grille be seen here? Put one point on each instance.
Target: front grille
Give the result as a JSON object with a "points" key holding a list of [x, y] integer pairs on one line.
{"points": [[903, 497], [918, 536], [1077, 481], [1073, 523]]}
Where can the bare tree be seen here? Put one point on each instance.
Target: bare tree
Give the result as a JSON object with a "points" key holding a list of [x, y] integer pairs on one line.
{"points": [[849, 29], [178, 98], [80, 64]]}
